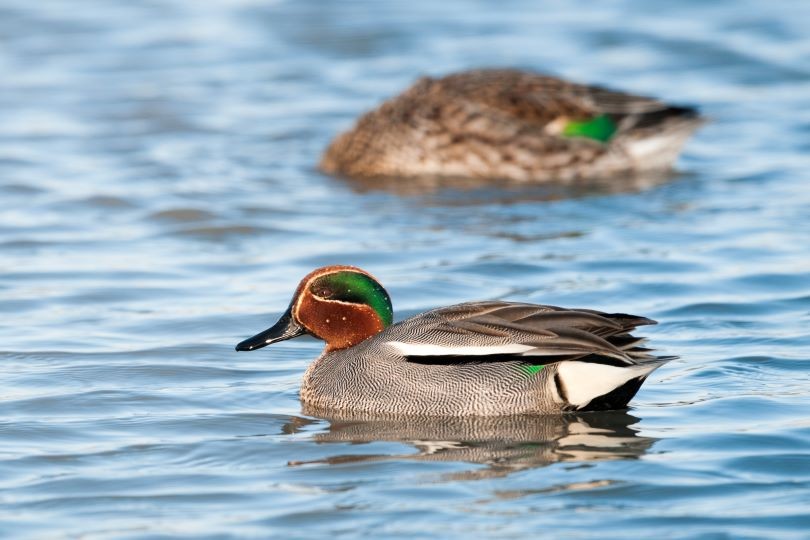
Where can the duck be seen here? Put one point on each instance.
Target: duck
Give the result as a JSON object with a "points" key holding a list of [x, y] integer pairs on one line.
{"points": [[481, 358], [511, 125]]}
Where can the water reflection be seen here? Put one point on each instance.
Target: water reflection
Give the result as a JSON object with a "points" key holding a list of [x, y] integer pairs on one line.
{"points": [[504, 444], [505, 191]]}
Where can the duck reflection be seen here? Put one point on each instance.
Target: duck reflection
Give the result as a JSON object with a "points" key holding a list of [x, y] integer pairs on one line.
{"points": [[481, 191], [504, 444]]}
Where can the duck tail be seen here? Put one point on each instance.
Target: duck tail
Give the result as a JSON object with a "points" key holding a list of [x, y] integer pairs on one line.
{"points": [[594, 386], [653, 140]]}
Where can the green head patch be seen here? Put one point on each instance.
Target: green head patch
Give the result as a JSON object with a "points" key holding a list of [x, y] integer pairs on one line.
{"points": [[600, 128], [355, 288]]}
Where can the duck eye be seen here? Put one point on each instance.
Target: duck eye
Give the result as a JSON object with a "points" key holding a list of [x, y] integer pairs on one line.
{"points": [[323, 291]]}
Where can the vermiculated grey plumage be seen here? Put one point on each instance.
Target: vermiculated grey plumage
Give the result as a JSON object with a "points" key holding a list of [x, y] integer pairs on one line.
{"points": [[376, 376]]}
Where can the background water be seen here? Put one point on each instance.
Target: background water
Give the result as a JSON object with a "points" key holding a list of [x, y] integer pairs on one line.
{"points": [[159, 203]]}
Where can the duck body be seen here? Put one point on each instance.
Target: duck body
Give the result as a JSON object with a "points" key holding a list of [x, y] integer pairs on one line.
{"points": [[485, 359], [474, 359], [512, 125]]}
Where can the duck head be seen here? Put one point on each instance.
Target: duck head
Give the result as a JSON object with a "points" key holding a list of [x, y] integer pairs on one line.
{"points": [[342, 305]]}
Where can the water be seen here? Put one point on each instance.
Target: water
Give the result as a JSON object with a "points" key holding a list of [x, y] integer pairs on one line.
{"points": [[160, 203]]}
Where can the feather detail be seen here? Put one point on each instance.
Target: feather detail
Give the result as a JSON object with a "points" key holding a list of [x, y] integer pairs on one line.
{"points": [[430, 349], [584, 381], [600, 128], [532, 334]]}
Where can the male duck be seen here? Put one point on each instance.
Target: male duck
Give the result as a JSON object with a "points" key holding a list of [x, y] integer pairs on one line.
{"points": [[512, 125], [478, 358]]}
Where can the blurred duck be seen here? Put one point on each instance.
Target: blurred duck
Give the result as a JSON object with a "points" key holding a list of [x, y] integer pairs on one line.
{"points": [[486, 358], [511, 125]]}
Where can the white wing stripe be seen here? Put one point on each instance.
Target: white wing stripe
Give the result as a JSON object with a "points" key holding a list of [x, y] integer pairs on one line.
{"points": [[429, 349]]}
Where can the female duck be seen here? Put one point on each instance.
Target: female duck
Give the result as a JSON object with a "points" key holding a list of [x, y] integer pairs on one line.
{"points": [[511, 125], [478, 358]]}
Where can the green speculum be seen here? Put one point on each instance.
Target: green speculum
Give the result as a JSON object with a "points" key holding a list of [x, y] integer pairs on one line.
{"points": [[356, 288], [530, 370], [600, 128]]}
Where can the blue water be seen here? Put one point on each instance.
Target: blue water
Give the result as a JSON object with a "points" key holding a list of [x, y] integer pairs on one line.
{"points": [[159, 202]]}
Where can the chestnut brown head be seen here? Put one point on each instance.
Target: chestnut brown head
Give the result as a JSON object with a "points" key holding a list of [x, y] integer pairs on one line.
{"points": [[342, 305]]}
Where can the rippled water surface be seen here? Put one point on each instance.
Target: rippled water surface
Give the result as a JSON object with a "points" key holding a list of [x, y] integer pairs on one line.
{"points": [[159, 202]]}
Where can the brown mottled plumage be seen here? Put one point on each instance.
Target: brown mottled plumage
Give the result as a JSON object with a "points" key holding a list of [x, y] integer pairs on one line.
{"points": [[508, 124], [478, 358]]}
